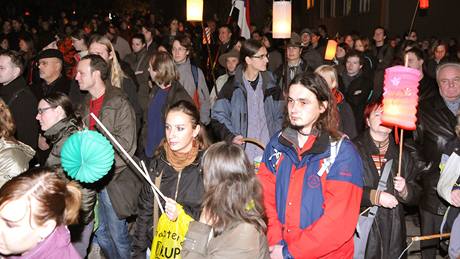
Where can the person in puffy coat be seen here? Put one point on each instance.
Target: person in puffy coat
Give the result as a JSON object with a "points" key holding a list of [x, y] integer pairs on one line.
{"points": [[14, 155], [376, 146]]}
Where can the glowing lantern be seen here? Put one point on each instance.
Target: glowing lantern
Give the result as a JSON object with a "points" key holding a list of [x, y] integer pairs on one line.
{"points": [[281, 19], [424, 4], [195, 10], [400, 97], [330, 49]]}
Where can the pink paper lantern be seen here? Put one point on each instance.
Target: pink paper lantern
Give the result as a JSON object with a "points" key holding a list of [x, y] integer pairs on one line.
{"points": [[400, 97]]}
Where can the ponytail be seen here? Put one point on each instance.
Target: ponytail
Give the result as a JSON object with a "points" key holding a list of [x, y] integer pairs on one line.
{"points": [[72, 203]]}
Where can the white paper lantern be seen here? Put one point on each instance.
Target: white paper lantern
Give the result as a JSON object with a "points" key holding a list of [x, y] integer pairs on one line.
{"points": [[281, 19], [195, 10]]}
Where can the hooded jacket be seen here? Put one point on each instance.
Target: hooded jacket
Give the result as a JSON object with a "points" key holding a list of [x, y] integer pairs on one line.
{"points": [[312, 216]]}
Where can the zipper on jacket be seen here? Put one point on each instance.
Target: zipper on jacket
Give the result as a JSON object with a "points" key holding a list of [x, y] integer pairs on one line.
{"points": [[177, 185]]}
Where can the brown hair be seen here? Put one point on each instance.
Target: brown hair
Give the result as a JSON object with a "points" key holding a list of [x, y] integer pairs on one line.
{"points": [[7, 126], [190, 109], [163, 64], [232, 190], [56, 199], [328, 120], [185, 42]]}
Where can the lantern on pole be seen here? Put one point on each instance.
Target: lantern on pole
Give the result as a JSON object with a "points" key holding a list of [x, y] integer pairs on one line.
{"points": [[330, 50], [424, 4], [195, 10], [400, 97], [281, 19]]}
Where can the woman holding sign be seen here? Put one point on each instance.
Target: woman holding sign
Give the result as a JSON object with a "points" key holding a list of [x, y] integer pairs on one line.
{"points": [[176, 170]]}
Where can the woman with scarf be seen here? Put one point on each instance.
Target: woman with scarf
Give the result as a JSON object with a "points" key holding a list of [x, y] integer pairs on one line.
{"points": [[176, 170]]}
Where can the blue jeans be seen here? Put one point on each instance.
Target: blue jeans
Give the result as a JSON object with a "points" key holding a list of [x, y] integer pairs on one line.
{"points": [[112, 233]]}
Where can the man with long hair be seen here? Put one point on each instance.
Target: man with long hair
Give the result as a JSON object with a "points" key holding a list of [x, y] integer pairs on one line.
{"points": [[312, 178]]}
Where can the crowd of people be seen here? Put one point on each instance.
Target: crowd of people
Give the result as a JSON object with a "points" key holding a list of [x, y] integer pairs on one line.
{"points": [[189, 101]]}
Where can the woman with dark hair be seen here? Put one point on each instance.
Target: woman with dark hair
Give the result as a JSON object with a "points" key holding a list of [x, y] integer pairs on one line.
{"points": [[376, 146], [14, 155], [35, 209], [58, 121], [165, 92], [312, 178], [439, 54], [275, 60], [231, 224], [175, 169], [28, 52], [80, 42]]}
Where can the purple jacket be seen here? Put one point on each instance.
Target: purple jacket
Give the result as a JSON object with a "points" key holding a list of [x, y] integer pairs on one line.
{"points": [[56, 246]]}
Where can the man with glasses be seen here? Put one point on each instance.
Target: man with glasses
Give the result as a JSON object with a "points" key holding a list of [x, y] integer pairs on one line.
{"points": [[435, 130], [18, 97], [250, 104]]}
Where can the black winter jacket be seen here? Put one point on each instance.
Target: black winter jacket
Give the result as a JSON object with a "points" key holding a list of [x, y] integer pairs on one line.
{"points": [[387, 238], [190, 193], [435, 128]]}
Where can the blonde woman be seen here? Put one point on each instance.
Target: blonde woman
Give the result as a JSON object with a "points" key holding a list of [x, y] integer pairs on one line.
{"points": [[347, 119], [101, 45], [14, 155]]}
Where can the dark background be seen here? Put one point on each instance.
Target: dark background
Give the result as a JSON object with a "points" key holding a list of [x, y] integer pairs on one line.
{"points": [[441, 19]]}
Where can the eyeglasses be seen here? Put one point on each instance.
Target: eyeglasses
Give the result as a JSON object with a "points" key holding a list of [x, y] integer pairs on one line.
{"points": [[42, 110], [261, 56], [179, 49]]}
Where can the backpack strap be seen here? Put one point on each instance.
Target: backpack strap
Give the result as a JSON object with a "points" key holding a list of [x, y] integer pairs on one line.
{"points": [[195, 74], [327, 162]]}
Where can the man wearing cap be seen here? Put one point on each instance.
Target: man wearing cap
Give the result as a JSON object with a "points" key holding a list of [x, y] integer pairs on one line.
{"points": [[295, 65], [309, 54], [229, 61], [50, 66]]}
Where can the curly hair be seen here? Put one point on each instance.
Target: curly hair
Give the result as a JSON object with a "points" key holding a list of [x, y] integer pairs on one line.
{"points": [[7, 125]]}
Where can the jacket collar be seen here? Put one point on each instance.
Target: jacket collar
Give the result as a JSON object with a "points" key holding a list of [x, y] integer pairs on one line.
{"points": [[57, 130], [288, 138], [9, 89]]}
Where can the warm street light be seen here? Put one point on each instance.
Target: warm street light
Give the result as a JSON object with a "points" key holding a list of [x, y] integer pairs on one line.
{"points": [[281, 19], [195, 10]]}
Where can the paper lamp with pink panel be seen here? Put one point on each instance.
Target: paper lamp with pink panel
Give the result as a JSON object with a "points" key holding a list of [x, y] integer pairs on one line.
{"points": [[400, 97]]}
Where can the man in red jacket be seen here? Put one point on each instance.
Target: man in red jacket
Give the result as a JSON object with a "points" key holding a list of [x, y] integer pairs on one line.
{"points": [[312, 178]]}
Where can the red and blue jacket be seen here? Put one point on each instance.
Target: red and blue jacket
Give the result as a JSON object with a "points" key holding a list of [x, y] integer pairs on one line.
{"points": [[312, 216]]}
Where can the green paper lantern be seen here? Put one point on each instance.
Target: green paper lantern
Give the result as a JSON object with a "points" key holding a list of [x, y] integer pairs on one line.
{"points": [[87, 156]]}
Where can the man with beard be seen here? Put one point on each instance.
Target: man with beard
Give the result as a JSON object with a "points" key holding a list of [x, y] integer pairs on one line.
{"points": [[311, 177]]}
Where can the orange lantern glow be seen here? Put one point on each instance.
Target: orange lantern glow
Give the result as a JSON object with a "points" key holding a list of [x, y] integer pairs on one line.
{"points": [[281, 19], [400, 97], [195, 10], [424, 4], [330, 50]]}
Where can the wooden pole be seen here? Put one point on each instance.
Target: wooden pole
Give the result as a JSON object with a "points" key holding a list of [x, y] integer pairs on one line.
{"points": [[401, 141], [419, 238]]}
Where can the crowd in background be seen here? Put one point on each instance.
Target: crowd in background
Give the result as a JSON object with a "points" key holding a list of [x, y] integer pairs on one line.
{"points": [[168, 89]]}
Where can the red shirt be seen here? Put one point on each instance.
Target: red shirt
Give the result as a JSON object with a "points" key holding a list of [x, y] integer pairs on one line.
{"points": [[95, 107]]}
